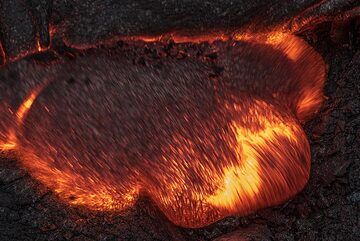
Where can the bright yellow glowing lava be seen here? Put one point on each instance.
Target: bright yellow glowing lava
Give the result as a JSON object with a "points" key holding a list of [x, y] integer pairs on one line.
{"points": [[243, 182], [240, 183]]}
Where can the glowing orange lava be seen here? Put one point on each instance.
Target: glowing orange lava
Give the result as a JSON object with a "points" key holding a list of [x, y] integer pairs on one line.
{"points": [[252, 152]]}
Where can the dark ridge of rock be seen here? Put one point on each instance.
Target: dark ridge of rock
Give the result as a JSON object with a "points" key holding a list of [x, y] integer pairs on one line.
{"points": [[18, 34], [29, 26]]}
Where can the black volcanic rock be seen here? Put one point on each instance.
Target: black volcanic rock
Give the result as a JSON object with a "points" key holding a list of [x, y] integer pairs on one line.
{"points": [[26, 26]]}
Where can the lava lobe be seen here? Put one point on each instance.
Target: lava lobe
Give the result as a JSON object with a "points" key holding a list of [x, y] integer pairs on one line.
{"points": [[100, 130]]}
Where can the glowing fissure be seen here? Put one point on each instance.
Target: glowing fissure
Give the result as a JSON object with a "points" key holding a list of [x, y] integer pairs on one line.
{"points": [[263, 159]]}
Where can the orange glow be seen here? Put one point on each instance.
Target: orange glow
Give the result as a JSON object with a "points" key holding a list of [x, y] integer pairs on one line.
{"points": [[10, 144], [239, 183], [89, 191], [23, 109], [278, 40], [181, 38], [199, 39], [174, 36], [25, 106], [249, 154], [38, 46], [243, 181], [297, 50], [269, 162]]}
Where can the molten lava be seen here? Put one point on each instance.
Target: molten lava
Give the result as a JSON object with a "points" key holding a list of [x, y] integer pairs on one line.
{"points": [[201, 149]]}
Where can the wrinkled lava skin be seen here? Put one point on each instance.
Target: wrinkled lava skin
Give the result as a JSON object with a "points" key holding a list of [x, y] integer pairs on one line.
{"points": [[103, 131]]}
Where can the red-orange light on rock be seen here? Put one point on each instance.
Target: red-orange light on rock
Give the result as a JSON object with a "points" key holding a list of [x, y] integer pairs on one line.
{"points": [[250, 153]]}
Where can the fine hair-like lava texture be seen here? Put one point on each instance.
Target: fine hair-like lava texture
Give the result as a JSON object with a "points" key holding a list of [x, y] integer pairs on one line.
{"points": [[202, 147]]}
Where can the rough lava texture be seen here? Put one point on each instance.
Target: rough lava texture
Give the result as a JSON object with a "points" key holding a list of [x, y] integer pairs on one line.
{"points": [[328, 208], [103, 130]]}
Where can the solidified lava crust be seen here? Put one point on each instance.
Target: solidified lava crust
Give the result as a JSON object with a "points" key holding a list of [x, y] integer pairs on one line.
{"points": [[31, 26]]}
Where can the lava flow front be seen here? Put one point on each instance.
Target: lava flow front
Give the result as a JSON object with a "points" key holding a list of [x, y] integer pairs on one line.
{"points": [[106, 130]]}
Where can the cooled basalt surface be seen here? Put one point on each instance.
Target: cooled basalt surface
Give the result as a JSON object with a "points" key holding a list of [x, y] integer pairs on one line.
{"points": [[27, 27]]}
